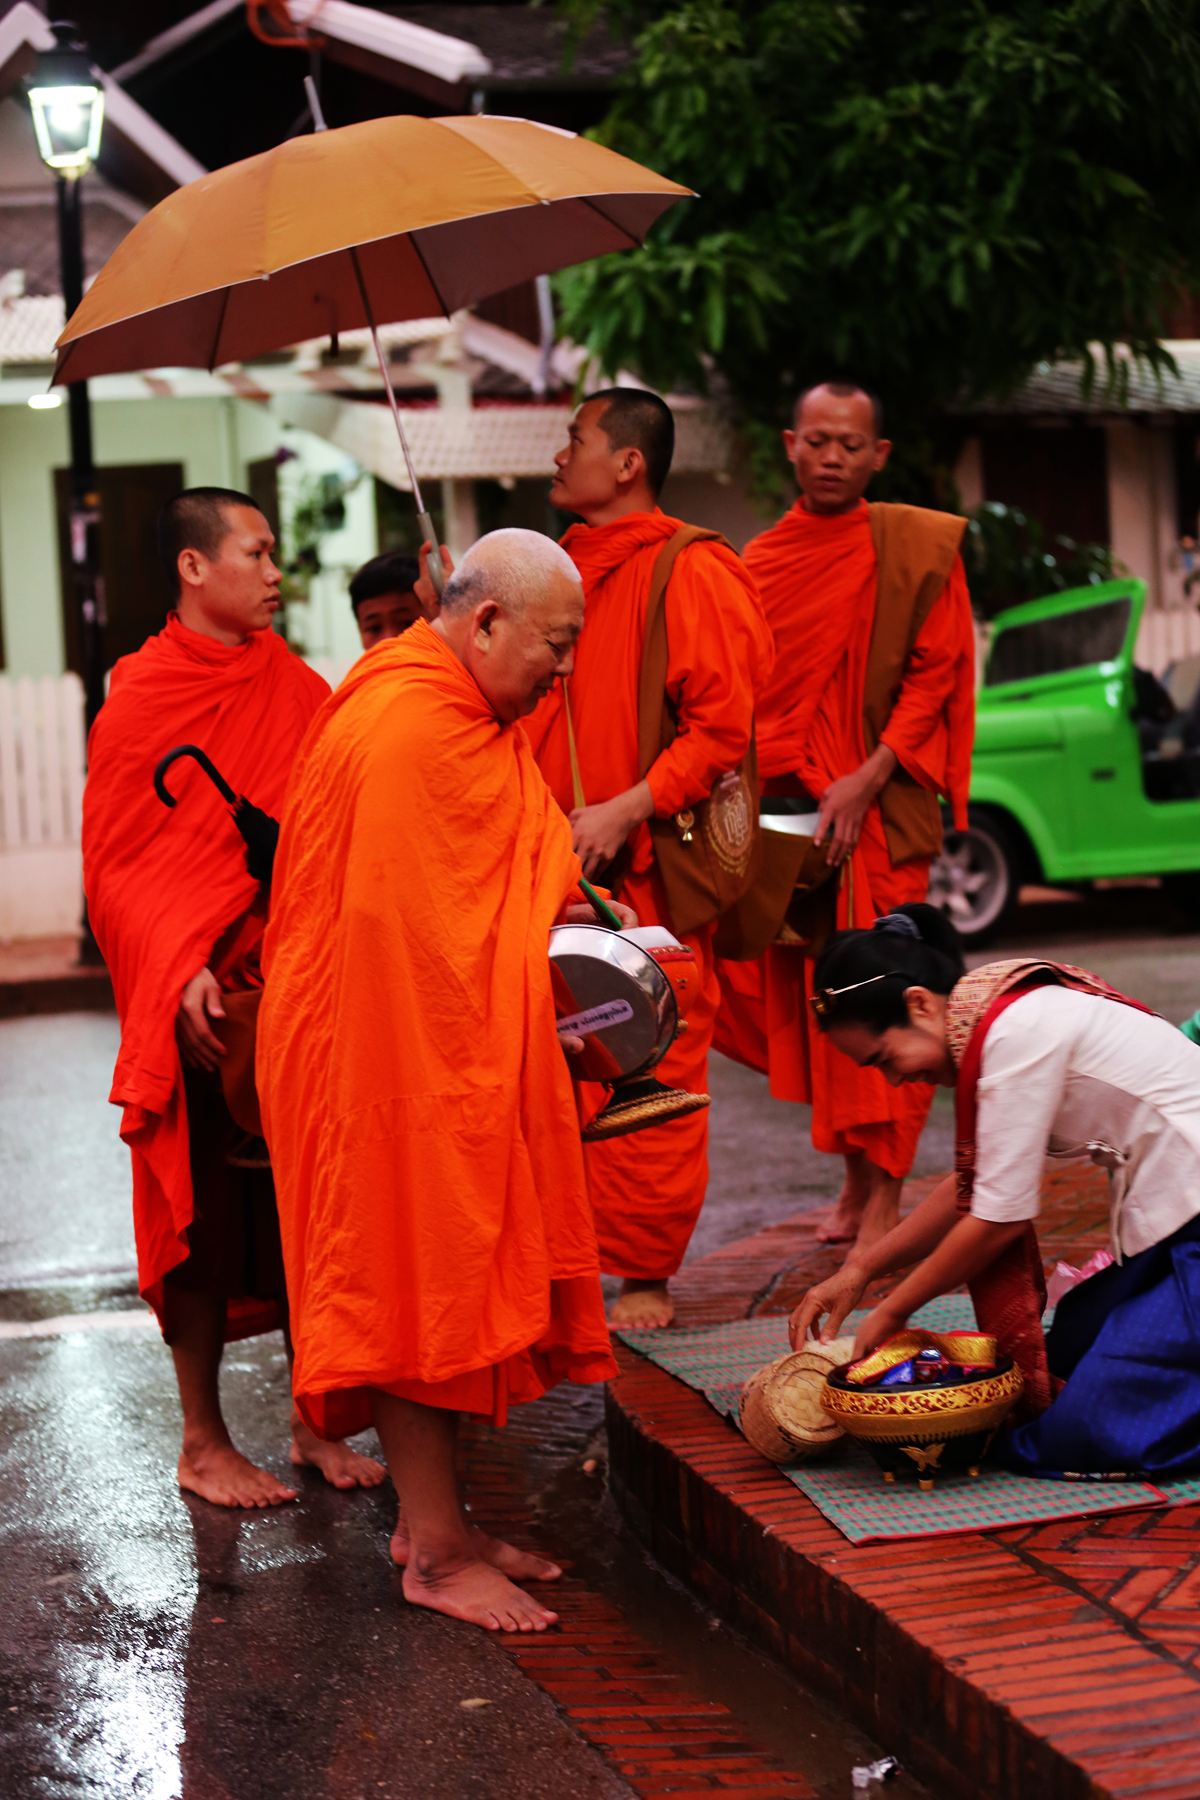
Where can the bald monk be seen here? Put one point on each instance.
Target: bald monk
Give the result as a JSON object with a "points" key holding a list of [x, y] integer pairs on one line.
{"points": [[647, 1189], [179, 919], [870, 714], [439, 1245]]}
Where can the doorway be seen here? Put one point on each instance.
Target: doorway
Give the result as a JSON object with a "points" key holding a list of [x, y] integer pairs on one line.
{"points": [[137, 596]]}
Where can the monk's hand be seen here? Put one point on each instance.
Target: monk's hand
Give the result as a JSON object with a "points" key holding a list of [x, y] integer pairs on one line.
{"points": [[200, 1002], [846, 802], [598, 832], [584, 913], [835, 1297], [425, 591]]}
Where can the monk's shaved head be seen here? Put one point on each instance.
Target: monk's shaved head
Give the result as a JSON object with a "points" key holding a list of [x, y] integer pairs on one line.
{"points": [[198, 519], [514, 568], [632, 419], [511, 613], [836, 447], [842, 390]]}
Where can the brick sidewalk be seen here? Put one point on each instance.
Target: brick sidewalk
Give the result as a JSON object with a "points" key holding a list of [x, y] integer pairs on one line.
{"points": [[1055, 1662], [615, 1689]]}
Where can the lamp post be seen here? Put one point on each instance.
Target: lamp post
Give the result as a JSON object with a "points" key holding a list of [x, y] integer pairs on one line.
{"points": [[67, 103]]}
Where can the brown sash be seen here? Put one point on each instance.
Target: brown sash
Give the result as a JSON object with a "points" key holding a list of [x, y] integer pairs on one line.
{"points": [[915, 550], [710, 852]]}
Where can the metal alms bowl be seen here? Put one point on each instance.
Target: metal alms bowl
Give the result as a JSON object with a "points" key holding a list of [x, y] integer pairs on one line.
{"points": [[614, 996]]}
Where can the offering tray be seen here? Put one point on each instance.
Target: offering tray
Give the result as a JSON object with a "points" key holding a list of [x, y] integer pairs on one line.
{"points": [[926, 1426]]}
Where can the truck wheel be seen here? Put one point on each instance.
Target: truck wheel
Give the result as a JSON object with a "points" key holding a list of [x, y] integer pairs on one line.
{"points": [[976, 879]]}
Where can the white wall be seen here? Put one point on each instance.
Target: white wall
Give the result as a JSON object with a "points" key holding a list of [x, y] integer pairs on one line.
{"points": [[214, 439]]}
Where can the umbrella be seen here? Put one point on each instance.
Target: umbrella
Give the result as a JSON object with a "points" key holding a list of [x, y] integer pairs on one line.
{"points": [[398, 218]]}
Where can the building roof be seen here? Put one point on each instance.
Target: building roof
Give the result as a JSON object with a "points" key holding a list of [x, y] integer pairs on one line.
{"points": [[1056, 389], [524, 45]]}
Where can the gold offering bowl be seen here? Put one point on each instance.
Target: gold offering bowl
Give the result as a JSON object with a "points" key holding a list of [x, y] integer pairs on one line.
{"points": [[926, 1429]]}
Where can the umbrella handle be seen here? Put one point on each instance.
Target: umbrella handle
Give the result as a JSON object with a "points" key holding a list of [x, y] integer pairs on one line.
{"points": [[193, 750], [437, 572]]}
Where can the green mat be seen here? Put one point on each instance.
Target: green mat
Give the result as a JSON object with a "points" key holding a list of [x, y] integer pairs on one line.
{"points": [[847, 1487]]}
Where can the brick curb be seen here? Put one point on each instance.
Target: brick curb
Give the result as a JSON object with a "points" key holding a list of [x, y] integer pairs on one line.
{"points": [[998, 1666], [78, 990]]}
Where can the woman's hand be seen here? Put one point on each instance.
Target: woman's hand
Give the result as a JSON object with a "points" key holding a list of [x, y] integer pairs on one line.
{"points": [[878, 1326], [837, 1297]]}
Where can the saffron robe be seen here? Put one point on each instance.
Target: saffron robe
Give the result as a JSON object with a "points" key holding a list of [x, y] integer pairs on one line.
{"points": [[647, 1189], [420, 1113], [168, 891], [818, 577]]}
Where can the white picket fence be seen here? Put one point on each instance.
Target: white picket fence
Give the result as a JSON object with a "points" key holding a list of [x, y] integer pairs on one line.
{"points": [[41, 805]]}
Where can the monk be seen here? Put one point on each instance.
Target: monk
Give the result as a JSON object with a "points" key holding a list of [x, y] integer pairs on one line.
{"points": [[179, 919], [868, 719], [439, 1245], [647, 1189]]}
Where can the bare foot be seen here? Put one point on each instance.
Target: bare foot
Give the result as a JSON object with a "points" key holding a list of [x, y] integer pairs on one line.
{"points": [[521, 1565], [472, 1590], [642, 1306], [843, 1224], [219, 1473], [845, 1221], [882, 1214], [341, 1466]]}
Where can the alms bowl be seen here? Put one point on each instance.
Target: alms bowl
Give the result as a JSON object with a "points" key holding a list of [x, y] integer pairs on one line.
{"points": [[925, 1430]]}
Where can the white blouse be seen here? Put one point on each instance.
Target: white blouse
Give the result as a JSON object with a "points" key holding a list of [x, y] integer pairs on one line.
{"points": [[1070, 1074]]}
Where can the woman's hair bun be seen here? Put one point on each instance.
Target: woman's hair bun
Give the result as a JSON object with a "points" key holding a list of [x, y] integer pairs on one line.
{"points": [[863, 976]]}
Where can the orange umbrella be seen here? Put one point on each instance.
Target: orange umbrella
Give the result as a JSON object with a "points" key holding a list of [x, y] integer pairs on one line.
{"points": [[398, 218]]}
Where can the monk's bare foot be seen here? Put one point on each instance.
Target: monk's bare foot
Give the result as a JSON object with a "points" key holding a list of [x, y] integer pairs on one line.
{"points": [[642, 1306], [341, 1466], [520, 1565], [845, 1221], [466, 1588], [881, 1215], [219, 1473]]}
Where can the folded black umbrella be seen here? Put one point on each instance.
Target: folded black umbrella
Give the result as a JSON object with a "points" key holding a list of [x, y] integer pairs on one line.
{"points": [[259, 829]]}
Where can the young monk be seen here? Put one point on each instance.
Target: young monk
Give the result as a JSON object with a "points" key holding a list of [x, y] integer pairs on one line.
{"points": [[383, 599], [869, 717], [440, 1251], [647, 1190], [1045, 1059], [179, 919]]}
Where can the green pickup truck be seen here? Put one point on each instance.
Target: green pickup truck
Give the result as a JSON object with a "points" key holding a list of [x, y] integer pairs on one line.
{"points": [[1085, 767]]}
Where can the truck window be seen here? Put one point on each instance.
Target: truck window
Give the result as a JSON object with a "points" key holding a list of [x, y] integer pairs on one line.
{"points": [[1052, 646]]}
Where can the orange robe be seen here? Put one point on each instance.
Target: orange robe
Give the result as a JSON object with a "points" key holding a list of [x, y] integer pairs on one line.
{"points": [[420, 1114], [648, 1189], [817, 576], [168, 890]]}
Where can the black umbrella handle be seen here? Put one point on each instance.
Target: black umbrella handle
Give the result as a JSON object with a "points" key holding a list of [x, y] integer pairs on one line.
{"points": [[214, 775]]}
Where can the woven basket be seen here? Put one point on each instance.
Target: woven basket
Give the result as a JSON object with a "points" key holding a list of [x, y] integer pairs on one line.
{"points": [[782, 1408]]}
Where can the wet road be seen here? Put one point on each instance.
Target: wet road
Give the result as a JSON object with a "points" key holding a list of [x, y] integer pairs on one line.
{"points": [[153, 1646]]}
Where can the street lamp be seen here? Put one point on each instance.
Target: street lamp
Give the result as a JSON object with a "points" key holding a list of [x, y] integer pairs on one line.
{"points": [[67, 101]]}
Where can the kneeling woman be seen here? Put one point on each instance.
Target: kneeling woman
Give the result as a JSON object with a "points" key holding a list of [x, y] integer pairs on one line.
{"points": [[1045, 1059]]}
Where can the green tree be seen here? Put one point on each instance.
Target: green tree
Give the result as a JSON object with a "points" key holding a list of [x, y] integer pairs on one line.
{"points": [[932, 195]]}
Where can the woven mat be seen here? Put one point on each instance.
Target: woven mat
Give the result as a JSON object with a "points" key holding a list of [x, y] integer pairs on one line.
{"points": [[847, 1487]]}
